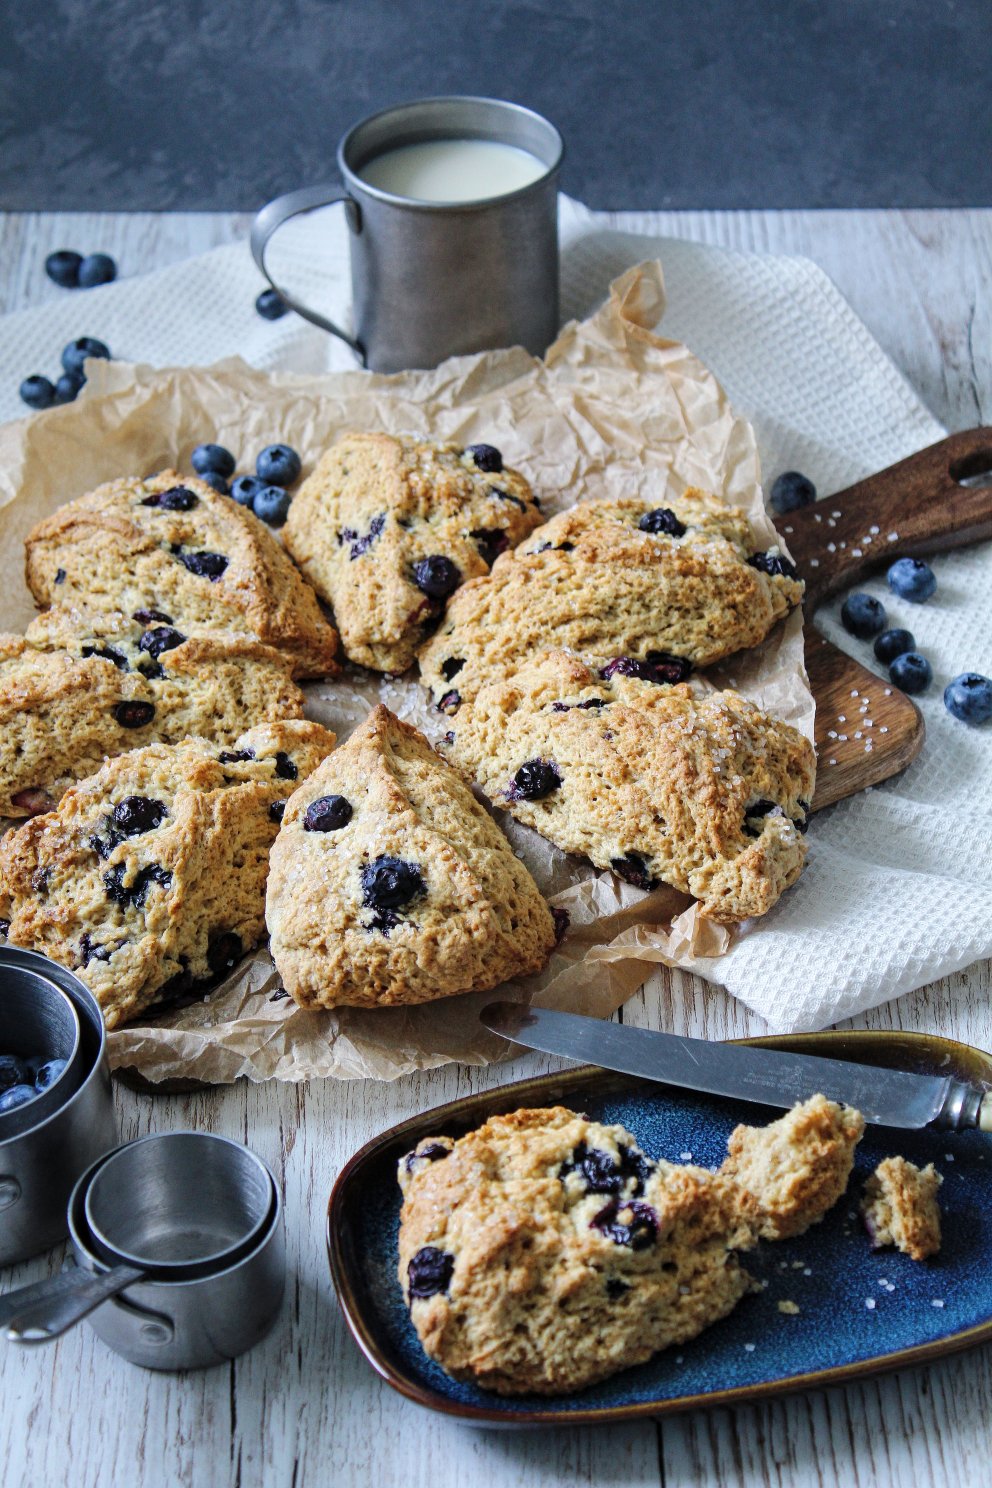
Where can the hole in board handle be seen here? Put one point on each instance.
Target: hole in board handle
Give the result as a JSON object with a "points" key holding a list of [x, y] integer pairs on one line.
{"points": [[972, 470]]}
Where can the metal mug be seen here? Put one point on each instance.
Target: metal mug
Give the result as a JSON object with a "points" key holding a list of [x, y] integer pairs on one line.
{"points": [[437, 279]]}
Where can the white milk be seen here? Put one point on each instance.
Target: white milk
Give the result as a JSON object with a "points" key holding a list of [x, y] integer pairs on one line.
{"points": [[453, 170]]}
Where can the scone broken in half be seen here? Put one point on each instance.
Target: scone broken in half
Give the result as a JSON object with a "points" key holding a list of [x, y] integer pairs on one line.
{"points": [[900, 1207], [391, 884], [150, 876], [708, 794], [387, 528]]}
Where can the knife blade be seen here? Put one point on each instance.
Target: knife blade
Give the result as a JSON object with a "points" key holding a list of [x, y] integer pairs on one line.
{"points": [[771, 1077]]}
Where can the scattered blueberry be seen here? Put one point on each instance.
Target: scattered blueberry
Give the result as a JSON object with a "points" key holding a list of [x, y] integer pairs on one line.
{"points": [[37, 391], [16, 1095], [176, 498], [13, 1071], [327, 814], [245, 488], [49, 1073], [68, 387], [773, 564], [436, 576], [863, 615], [204, 565], [133, 714], [96, 268], [912, 579], [212, 457], [271, 305], [75, 354], [389, 883], [62, 267], [271, 505], [224, 952], [911, 672], [969, 698], [633, 870], [486, 457], [278, 465], [534, 780], [429, 1272], [136, 814], [892, 643], [639, 1231], [216, 482], [662, 519], [792, 491], [160, 638]]}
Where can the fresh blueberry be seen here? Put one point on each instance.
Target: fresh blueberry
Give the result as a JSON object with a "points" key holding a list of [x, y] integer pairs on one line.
{"points": [[134, 714], [160, 638], [429, 1272], [911, 672], [13, 1071], [270, 305], [662, 519], [892, 643], [216, 482], [389, 883], [16, 1095], [212, 457], [863, 615], [278, 465], [271, 505], [49, 1073], [37, 391], [176, 498], [205, 565], [62, 267], [245, 488], [75, 354], [436, 576], [969, 698], [792, 491], [136, 814], [96, 268], [912, 579], [534, 780], [773, 564], [486, 456], [68, 387], [327, 814]]}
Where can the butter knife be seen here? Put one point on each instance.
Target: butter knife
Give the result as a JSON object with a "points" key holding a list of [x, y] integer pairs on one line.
{"points": [[769, 1077]]}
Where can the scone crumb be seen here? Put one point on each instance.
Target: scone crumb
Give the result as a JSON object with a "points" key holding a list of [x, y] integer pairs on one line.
{"points": [[791, 1309], [900, 1208]]}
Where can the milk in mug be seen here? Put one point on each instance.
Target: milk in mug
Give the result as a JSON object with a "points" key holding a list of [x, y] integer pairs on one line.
{"points": [[453, 170]]}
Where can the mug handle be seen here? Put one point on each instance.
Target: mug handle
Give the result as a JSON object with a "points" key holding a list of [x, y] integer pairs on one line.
{"points": [[271, 218]]}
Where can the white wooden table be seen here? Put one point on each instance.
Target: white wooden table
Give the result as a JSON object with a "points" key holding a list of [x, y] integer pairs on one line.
{"points": [[303, 1408]]}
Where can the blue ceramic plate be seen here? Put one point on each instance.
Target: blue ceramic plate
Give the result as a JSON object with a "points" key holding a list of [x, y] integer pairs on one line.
{"points": [[860, 1311]]}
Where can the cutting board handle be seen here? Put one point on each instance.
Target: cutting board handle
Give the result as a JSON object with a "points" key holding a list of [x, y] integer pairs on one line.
{"points": [[934, 500]]}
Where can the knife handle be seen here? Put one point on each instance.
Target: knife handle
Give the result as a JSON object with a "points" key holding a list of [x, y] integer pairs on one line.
{"points": [[985, 1114], [964, 1107]]}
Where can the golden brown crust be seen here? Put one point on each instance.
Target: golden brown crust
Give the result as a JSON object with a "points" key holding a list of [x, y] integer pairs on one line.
{"points": [[900, 1207]]}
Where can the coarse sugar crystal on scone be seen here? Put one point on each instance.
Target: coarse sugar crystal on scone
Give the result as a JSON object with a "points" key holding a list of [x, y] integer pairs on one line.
{"points": [[81, 686], [793, 1171], [543, 1251], [149, 878], [391, 884], [677, 586], [172, 544], [706, 793], [386, 529], [900, 1207]]}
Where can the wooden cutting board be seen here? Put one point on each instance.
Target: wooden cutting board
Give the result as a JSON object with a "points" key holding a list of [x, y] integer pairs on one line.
{"points": [[938, 499]]}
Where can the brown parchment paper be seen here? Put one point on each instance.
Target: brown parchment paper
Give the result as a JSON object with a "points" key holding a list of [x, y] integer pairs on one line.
{"points": [[612, 410]]}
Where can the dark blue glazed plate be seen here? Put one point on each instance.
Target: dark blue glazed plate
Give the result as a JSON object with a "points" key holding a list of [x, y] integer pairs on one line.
{"points": [[859, 1311]]}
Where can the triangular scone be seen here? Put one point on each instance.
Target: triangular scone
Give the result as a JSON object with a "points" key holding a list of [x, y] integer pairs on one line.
{"points": [[80, 686], [706, 793], [391, 884], [681, 584], [150, 876], [173, 544], [385, 529]]}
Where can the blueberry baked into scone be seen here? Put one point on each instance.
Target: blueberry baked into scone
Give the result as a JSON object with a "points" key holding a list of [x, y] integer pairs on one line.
{"points": [[706, 793], [174, 545], [150, 876], [387, 528], [678, 586], [391, 884], [81, 686], [900, 1207]]}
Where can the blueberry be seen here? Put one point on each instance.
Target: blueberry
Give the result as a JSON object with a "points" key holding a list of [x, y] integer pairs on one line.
{"points": [[429, 1272], [160, 638], [863, 615], [277, 810], [534, 780], [212, 457], [16, 1095], [285, 768], [92, 951], [37, 391], [245, 488], [436, 576], [756, 812], [431, 1153], [615, 1288], [4, 928], [892, 643], [451, 666], [486, 456], [271, 305], [633, 869], [360, 545], [60, 576], [68, 387], [969, 698], [659, 666], [911, 672], [62, 267], [224, 952], [235, 756], [639, 1231], [490, 542], [278, 465], [49, 1073], [176, 498], [450, 702], [327, 814], [390, 883], [107, 653], [136, 892], [147, 617], [912, 579], [134, 714], [96, 268], [271, 505], [75, 354], [792, 491], [772, 564], [205, 565], [13, 1071], [136, 814], [562, 920], [662, 519]]}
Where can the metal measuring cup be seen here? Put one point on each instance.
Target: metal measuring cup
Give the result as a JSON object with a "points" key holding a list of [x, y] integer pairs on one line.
{"points": [[38, 1018]]}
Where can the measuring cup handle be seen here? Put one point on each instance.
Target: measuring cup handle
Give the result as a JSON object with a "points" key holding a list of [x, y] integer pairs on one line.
{"points": [[50, 1310], [271, 218]]}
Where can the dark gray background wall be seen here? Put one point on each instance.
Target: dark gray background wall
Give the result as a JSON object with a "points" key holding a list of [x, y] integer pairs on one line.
{"points": [[186, 104]]}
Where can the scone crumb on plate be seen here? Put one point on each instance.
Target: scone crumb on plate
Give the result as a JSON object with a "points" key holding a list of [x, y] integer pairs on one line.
{"points": [[790, 1308], [900, 1207]]}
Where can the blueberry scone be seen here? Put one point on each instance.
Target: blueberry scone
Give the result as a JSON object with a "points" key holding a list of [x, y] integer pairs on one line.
{"points": [[708, 794], [678, 586], [80, 686], [150, 875], [543, 1252], [173, 545], [900, 1207], [391, 884], [386, 529], [791, 1172]]}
